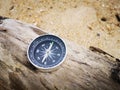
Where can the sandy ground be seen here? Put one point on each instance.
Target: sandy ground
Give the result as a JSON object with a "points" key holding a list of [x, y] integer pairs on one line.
{"points": [[86, 22]]}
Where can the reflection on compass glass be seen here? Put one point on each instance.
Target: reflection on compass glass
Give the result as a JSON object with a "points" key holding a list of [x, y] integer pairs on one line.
{"points": [[47, 51]]}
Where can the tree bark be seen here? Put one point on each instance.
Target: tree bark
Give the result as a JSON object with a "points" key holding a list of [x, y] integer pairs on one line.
{"points": [[82, 69]]}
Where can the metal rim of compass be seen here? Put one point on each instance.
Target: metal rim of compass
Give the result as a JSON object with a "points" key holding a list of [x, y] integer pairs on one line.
{"points": [[48, 68]]}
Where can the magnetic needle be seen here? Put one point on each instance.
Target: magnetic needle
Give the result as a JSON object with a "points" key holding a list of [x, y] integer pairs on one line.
{"points": [[46, 52]]}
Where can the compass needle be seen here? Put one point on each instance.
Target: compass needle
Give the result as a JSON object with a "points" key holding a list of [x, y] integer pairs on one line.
{"points": [[50, 46], [45, 56], [47, 52], [51, 57]]}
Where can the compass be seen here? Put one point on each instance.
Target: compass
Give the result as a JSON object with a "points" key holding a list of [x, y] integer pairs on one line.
{"points": [[46, 52]]}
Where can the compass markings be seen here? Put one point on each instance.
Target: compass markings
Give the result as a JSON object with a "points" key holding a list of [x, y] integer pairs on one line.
{"points": [[56, 47], [43, 45], [37, 51], [38, 58], [45, 63], [58, 54], [53, 61]]}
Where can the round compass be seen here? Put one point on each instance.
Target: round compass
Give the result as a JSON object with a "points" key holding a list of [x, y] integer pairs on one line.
{"points": [[46, 52]]}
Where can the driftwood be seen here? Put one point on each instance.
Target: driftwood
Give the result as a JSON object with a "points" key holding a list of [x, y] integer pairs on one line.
{"points": [[82, 69]]}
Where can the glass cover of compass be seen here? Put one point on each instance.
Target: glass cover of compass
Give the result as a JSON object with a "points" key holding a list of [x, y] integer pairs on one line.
{"points": [[46, 51]]}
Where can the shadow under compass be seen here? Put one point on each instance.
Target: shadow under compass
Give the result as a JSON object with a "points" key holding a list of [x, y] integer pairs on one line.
{"points": [[30, 66]]}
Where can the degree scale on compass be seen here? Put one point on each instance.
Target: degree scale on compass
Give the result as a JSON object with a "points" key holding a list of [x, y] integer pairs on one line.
{"points": [[46, 52]]}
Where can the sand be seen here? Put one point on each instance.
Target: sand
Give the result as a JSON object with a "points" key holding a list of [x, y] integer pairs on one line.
{"points": [[86, 22]]}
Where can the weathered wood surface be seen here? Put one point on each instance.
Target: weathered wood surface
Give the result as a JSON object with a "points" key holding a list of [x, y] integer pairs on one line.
{"points": [[82, 69]]}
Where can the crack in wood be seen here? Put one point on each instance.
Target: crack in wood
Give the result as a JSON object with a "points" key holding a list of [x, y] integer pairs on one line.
{"points": [[2, 18], [47, 85], [95, 49], [86, 64], [38, 31], [15, 82], [3, 29], [115, 72]]}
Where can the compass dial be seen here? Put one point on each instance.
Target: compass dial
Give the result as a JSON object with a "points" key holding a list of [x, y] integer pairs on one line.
{"points": [[47, 51]]}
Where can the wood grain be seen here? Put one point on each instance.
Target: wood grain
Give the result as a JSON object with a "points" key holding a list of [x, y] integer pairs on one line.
{"points": [[82, 69]]}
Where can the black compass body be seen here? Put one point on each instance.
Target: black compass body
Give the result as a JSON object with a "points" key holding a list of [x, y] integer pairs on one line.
{"points": [[47, 52]]}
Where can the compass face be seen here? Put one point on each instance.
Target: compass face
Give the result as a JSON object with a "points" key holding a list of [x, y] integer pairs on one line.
{"points": [[47, 51]]}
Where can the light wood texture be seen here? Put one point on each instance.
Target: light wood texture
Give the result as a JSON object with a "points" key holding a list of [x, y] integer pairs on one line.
{"points": [[82, 69]]}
